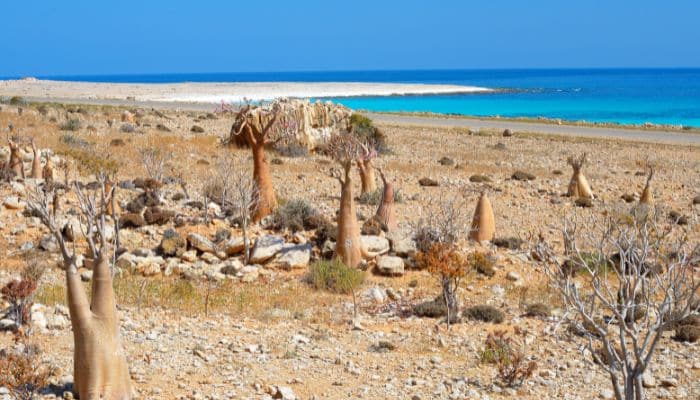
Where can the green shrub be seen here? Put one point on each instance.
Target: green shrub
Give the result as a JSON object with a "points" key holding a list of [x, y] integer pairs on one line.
{"points": [[334, 276], [484, 313], [295, 215], [74, 141], [373, 198], [292, 150], [72, 124], [538, 310], [363, 128], [17, 100], [482, 263]]}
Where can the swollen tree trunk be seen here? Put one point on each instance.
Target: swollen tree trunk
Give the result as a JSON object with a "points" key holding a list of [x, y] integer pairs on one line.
{"points": [[100, 368], [578, 186], [483, 224], [647, 197], [36, 163], [385, 212], [367, 176], [47, 172], [348, 247], [266, 201], [113, 207], [16, 161]]}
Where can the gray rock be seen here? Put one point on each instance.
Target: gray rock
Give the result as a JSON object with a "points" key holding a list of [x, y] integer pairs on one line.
{"points": [[513, 276], [293, 256], [390, 265], [284, 393], [13, 203], [201, 243], [265, 248], [375, 244], [48, 243], [607, 394], [402, 244], [648, 380], [233, 246]]}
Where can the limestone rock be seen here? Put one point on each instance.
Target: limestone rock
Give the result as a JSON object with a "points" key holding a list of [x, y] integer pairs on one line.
{"points": [[233, 246], [201, 243], [265, 248], [293, 256], [375, 244], [390, 265]]}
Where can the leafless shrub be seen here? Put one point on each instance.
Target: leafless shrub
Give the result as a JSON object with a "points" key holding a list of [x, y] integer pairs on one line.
{"points": [[155, 161], [23, 373], [650, 287]]}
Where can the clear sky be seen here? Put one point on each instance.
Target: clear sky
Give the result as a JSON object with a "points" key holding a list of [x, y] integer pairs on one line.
{"points": [[77, 37]]}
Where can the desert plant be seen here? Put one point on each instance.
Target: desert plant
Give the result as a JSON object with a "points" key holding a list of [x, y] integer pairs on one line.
{"points": [[23, 373], [484, 313], [17, 101], [482, 263], [16, 163], [36, 163], [444, 261], [18, 293], [578, 186], [100, 367], [385, 211], [346, 149], [72, 124], [500, 349], [154, 161], [647, 197], [336, 277], [644, 302], [483, 225], [295, 215], [257, 127]]}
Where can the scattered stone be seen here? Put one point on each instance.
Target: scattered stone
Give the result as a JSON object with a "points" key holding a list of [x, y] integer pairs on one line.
{"points": [[196, 129], [284, 393], [427, 182], [265, 248], [648, 380], [507, 133], [402, 244], [669, 382], [513, 276], [390, 265], [375, 244], [233, 246], [696, 200], [607, 394], [13, 203], [201, 243], [293, 256]]}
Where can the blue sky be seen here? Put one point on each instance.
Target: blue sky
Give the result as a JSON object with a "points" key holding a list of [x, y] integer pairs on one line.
{"points": [[77, 37]]}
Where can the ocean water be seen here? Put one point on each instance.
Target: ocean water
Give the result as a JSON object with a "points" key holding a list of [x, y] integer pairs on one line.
{"points": [[626, 96]]}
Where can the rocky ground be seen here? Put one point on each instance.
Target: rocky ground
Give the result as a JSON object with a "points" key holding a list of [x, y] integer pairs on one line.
{"points": [[266, 332]]}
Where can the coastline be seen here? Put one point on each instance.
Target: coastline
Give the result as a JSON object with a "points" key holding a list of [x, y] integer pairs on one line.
{"points": [[216, 92]]}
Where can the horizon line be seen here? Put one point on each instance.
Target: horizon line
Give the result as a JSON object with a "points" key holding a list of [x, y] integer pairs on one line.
{"points": [[311, 71]]}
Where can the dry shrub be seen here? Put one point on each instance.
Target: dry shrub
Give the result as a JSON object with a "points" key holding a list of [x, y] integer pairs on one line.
{"points": [[19, 293], [482, 263], [445, 262], [484, 313], [500, 349], [295, 215], [23, 372]]}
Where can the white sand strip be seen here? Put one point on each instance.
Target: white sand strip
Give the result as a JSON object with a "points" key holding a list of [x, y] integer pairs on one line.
{"points": [[217, 92]]}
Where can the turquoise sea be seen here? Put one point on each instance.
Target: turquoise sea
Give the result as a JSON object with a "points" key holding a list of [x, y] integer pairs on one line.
{"points": [[626, 96]]}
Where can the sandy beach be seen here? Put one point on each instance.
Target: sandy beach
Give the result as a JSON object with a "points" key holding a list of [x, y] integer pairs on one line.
{"points": [[213, 93]]}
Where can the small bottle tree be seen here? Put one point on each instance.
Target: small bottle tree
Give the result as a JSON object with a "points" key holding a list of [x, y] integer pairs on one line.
{"points": [[346, 149]]}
